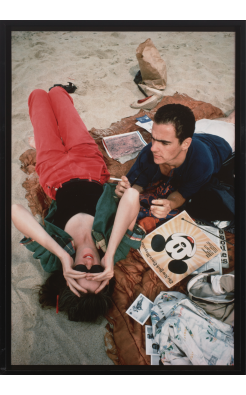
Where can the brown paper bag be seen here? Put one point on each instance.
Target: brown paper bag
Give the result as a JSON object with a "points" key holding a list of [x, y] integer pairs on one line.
{"points": [[152, 66]]}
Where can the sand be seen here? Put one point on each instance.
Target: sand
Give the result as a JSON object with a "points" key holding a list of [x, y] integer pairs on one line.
{"points": [[102, 65]]}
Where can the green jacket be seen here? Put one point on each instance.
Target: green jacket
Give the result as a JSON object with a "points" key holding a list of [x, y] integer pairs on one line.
{"points": [[102, 227]]}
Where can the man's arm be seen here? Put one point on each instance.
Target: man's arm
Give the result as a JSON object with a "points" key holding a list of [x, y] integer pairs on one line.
{"points": [[162, 207]]}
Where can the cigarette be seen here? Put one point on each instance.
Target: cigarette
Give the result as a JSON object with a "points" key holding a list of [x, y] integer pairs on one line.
{"points": [[115, 179]]}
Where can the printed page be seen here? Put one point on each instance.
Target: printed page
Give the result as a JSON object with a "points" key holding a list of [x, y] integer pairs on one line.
{"points": [[177, 248], [123, 144], [220, 261], [145, 122], [214, 263], [147, 126]]}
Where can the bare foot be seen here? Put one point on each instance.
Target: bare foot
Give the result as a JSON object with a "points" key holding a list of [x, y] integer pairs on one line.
{"points": [[31, 142]]}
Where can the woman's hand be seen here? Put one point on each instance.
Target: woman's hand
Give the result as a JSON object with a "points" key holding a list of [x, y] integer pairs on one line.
{"points": [[27, 224], [122, 186], [71, 275], [106, 275]]}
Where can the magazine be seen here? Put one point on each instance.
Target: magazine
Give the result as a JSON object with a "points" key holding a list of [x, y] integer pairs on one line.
{"points": [[177, 248], [221, 260], [123, 147], [155, 360], [149, 342], [145, 122]]}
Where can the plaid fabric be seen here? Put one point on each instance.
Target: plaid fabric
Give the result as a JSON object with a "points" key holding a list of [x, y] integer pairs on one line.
{"points": [[66, 244], [99, 240], [49, 261], [103, 222], [137, 233], [134, 238]]}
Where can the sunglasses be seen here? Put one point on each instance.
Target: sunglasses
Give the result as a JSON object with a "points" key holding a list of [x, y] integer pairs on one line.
{"points": [[93, 269]]}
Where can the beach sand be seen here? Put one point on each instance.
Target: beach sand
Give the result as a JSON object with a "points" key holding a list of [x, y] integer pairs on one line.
{"points": [[102, 65]]}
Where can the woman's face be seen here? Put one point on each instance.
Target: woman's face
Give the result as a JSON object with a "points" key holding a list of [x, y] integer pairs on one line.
{"points": [[88, 256]]}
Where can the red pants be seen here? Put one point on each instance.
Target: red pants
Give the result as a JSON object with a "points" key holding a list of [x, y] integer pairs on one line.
{"points": [[53, 117]]}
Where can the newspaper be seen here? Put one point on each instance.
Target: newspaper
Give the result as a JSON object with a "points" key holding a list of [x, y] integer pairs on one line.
{"points": [[145, 123], [221, 260], [123, 147], [177, 248]]}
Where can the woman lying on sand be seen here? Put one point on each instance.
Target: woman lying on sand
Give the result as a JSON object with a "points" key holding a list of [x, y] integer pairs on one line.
{"points": [[72, 172]]}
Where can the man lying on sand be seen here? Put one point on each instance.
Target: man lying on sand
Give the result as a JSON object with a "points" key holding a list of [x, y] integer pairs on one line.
{"points": [[177, 163], [72, 172]]}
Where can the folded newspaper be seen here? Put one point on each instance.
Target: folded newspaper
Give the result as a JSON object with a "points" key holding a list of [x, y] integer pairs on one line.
{"points": [[123, 147], [177, 248], [221, 260], [145, 122]]}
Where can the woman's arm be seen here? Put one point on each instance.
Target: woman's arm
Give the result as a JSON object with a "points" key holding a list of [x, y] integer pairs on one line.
{"points": [[125, 218], [26, 224]]}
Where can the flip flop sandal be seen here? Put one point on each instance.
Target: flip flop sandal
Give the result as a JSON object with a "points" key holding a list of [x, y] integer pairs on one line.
{"points": [[151, 91], [146, 104], [71, 88], [143, 100]]}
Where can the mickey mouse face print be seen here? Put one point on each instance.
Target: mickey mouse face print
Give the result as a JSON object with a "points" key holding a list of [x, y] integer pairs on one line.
{"points": [[180, 246]]}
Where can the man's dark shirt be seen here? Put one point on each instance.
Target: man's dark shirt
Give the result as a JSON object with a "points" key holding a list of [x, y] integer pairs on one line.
{"points": [[204, 158]]}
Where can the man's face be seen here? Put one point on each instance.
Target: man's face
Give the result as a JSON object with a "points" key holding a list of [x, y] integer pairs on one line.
{"points": [[168, 150]]}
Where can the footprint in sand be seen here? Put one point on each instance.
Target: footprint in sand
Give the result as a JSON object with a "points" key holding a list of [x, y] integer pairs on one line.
{"points": [[43, 53], [118, 35]]}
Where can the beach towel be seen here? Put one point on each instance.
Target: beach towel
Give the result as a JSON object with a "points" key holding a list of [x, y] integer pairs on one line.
{"points": [[125, 338]]}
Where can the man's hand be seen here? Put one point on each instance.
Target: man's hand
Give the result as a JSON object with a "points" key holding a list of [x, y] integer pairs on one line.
{"points": [[71, 275], [161, 208], [106, 275], [122, 186]]}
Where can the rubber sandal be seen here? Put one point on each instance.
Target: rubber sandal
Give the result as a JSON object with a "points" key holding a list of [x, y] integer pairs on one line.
{"points": [[146, 104], [151, 91], [70, 88], [143, 100]]}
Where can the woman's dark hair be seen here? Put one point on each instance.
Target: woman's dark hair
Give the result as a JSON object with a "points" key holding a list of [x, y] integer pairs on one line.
{"points": [[88, 308], [181, 117]]}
